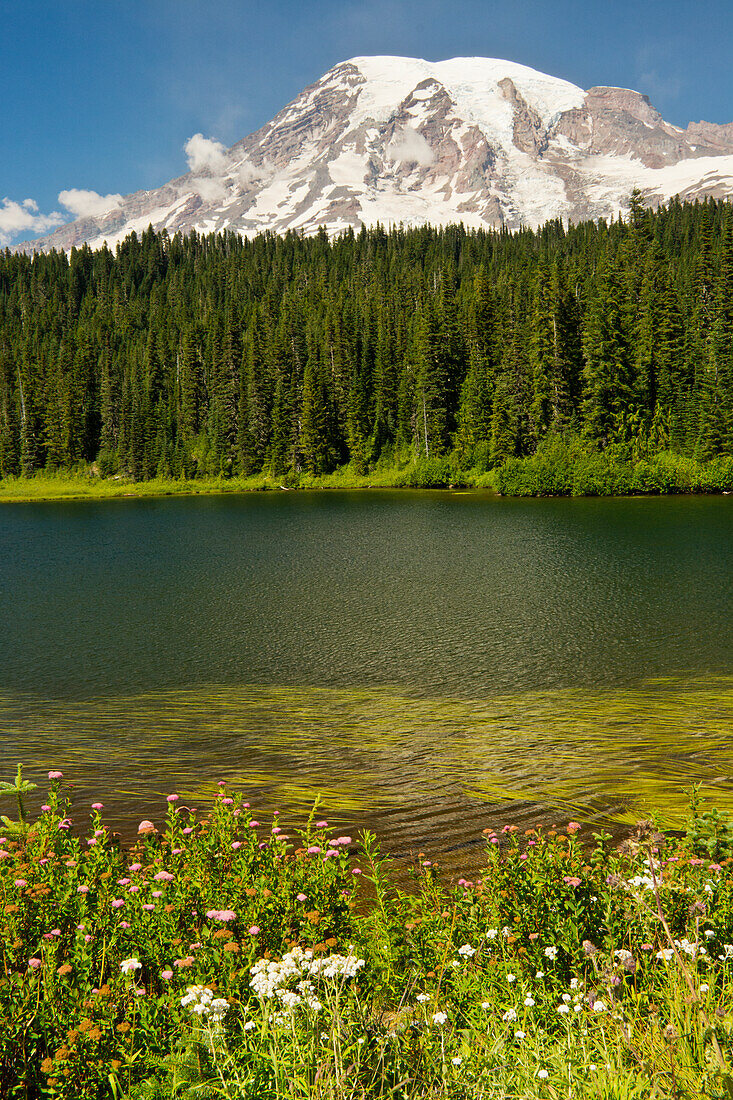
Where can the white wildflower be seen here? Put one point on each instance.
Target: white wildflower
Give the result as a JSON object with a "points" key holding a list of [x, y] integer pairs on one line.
{"points": [[422, 998], [509, 1016], [551, 953], [543, 1074], [567, 998], [491, 934], [467, 951], [520, 1034], [704, 987], [529, 1001], [457, 1060], [563, 1009], [439, 1018], [599, 1006], [511, 977], [128, 966], [200, 1000]]}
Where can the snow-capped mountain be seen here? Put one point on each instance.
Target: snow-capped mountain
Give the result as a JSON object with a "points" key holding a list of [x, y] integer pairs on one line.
{"points": [[396, 139]]}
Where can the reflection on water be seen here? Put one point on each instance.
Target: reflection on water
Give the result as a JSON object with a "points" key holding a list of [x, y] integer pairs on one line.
{"points": [[428, 773]]}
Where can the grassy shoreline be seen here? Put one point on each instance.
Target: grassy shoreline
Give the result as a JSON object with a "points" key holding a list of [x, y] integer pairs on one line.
{"points": [[561, 467], [223, 957]]}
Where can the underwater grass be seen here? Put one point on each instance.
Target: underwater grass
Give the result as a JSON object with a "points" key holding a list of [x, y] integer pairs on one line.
{"points": [[382, 757]]}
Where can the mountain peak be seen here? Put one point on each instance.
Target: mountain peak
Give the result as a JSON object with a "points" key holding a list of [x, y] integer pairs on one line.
{"points": [[480, 140]]}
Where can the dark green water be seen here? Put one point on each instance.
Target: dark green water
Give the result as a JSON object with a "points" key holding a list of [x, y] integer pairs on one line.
{"points": [[432, 662]]}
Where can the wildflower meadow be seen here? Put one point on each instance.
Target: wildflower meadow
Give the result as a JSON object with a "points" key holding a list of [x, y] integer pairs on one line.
{"points": [[226, 956]]}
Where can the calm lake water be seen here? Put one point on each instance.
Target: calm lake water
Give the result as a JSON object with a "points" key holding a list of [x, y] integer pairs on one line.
{"points": [[432, 663]]}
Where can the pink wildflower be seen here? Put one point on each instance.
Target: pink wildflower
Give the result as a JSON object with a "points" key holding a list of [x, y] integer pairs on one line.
{"points": [[301, 897], [82, 889], [55, 775], [164, 876], [135, 866], [117, 903], [146, 827], [254, 930], [33, 964], [20, 883], [97, 805], [573, 826], [173, 798], [166, 975]]}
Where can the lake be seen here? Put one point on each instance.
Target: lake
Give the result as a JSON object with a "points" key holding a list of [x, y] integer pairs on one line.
{"points": [[430, 662]]}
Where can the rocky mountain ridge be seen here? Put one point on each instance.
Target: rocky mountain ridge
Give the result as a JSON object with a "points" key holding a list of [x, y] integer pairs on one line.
{"points": [[486, 142]]}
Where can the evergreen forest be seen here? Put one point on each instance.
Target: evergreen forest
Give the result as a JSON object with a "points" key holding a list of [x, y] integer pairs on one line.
{"points": [[192, 356]]}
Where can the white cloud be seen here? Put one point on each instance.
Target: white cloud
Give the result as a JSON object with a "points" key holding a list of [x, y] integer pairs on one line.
{"points": [[23, 217], [410, 147], [88, 204], [246, 172], [205, 153]]}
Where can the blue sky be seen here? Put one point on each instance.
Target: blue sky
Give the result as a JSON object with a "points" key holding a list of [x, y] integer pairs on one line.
{"points": [[103, 95]]}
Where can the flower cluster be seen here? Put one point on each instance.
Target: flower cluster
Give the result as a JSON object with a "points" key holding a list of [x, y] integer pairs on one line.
{"points": [[200, 1001], [272, 979]]}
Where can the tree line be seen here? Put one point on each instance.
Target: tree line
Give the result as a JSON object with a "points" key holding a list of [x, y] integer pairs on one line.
{"points": [[214, 355]]}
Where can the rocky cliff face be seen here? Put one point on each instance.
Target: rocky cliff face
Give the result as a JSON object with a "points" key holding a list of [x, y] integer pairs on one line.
{"points": [[389, 139]]}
